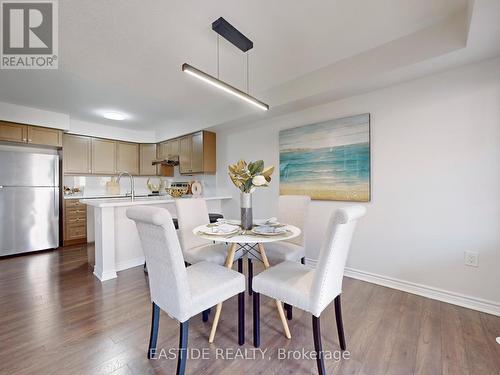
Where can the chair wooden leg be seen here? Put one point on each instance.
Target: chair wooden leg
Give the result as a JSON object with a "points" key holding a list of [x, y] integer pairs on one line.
{"points": [[153, 338], [241, 318], [240, 265], [256, 319], [250, 276], [205, 315], [340, 324], [317, 345], [183, 340], [303, 260], [288, 309]]}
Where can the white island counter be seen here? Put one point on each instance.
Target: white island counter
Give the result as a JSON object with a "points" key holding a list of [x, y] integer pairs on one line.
{"points": [[117, 244]]}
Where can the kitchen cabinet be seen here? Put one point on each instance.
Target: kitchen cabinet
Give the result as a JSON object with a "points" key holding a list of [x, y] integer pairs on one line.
{"points": [[44, 136], [127, 157], [36, 135], [75, 222], [185, 150], [170, 147], [77, 154], [173, 147], [147, 154], [12, 132], [103, 156], [197, 153]]}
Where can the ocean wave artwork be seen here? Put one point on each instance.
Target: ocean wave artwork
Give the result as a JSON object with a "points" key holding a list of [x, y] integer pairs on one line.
{"points": [[328, 160]]}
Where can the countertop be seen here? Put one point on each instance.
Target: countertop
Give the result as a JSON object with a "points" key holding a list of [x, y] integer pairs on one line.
{"points": [[109, 196], [139, 201]]}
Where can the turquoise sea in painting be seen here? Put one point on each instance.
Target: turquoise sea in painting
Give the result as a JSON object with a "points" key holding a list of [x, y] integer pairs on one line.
{"points": [[328, 160]]}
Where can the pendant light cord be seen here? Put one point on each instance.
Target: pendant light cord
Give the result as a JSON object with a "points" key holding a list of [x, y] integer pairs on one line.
{"points": [[248, 65], [217, 56]]}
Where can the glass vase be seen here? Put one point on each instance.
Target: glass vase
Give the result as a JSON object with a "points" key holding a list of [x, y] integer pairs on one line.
{"points": [[246, 210]]}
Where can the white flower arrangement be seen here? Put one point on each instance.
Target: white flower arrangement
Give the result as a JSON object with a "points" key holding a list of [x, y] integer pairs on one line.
{"points": [[247, 177]]}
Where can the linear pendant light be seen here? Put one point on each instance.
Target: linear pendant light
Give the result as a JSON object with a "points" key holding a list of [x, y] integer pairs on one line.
{"points": [[223, 86], [236, 38]]}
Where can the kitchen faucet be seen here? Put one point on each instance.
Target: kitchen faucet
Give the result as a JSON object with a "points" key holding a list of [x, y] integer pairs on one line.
{"points": [[132, 188]]}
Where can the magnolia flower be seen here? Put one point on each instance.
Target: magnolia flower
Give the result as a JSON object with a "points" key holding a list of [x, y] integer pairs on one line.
{"points": [[259, 180]]}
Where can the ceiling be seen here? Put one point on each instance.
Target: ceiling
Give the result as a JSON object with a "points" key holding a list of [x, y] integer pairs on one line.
{"points": [[119, 55]]}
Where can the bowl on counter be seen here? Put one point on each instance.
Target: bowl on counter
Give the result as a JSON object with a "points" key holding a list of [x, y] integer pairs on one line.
{"points": [[176, 192]]}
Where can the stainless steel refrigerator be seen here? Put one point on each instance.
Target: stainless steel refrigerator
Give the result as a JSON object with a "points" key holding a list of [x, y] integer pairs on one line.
{"points": [[29, 202]]}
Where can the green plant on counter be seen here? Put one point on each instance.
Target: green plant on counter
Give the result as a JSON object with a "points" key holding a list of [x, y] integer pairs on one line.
{"points": [[247, 177]]}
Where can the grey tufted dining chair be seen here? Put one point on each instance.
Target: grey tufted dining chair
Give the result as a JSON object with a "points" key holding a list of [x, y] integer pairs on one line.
{"points": [[309, 289], [179, 291]]}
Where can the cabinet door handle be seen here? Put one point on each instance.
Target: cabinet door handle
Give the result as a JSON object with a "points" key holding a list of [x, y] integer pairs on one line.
{"points": [[29, 140], [24, 139]]}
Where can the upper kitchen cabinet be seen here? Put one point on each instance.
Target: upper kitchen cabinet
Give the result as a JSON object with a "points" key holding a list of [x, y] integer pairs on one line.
{"points": [[147, 154], [13, 132], [170, 147], [197, 153], [103, 156], [44, 136], [127, 157], [77, 154]]}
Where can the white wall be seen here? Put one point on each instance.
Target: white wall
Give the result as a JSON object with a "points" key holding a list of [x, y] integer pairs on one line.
{"points": [[113, 132], [50, 119], [435, 179], [33, 116]]}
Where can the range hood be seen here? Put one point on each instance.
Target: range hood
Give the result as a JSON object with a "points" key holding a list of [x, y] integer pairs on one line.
{"points": [[170, 160]]}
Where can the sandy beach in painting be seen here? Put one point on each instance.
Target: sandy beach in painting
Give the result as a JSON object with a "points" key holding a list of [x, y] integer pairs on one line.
{"points": [[352, 193], [327, 161]]}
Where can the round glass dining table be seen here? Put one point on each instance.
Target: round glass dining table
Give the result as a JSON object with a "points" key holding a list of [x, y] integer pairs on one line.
{"points": [[247, 241]]}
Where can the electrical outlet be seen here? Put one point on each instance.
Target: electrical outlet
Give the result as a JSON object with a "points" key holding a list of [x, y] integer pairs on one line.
{"points": [[471, 259]]}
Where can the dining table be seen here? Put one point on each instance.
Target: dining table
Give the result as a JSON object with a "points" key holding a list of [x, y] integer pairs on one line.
{"points": [[249, 242]]}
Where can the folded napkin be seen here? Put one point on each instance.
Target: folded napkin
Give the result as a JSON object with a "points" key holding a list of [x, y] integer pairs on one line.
{"points": [[270, 221], [223, 228]]}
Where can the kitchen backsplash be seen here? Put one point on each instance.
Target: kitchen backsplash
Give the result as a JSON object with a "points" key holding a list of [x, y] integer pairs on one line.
{"points": [[96, 185]]}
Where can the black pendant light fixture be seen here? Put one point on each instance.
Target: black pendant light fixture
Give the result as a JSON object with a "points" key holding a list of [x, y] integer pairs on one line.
{"points": [[235, 37]]}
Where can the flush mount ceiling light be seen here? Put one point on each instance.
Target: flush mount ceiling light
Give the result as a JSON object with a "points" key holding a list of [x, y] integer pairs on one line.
{"points": [[117, 116], [235, 37]]}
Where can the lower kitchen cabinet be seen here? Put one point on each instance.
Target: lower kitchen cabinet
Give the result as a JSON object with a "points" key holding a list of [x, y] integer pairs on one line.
{"points": [[75, 222]]}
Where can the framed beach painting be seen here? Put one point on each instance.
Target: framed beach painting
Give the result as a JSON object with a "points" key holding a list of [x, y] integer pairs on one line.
{"points": [[328, 161]]}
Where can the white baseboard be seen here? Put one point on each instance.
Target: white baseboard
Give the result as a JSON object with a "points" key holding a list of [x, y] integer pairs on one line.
{"points": [[139, 261], [469, 302]]}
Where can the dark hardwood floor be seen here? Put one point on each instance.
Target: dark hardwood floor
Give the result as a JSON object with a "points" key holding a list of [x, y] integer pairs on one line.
{"points": [[57, 318]]}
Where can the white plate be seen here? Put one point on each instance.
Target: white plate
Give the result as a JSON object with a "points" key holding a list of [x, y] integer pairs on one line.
{"points": [[270, 221], [221, 230], [268, 230]]}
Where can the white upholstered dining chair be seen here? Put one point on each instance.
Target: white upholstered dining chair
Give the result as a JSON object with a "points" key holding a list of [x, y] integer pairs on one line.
{"points": [[190, 214], [180, 291], [293, 210], [311, 289]]}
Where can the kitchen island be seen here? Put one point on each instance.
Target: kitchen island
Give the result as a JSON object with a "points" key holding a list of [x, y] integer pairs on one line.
{"points": [[117, 243]]}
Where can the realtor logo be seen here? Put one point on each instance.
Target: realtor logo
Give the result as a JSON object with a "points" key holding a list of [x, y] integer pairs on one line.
{"points": [[29, 34]]}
